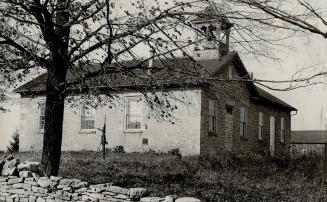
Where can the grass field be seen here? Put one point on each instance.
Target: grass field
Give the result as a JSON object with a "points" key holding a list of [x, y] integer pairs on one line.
{"points": [[225, 177]]}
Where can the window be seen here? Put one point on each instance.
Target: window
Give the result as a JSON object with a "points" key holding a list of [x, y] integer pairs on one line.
{"points": [[209, 32], [145, 141], [229, 109], [87, 117], [282, 129], [133, 113], [243, 121], [230, 72], [42, 115], [2, 78], [212, 116], [260, 126]]}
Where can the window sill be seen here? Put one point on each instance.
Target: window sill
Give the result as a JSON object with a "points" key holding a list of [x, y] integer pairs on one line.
{"points": [[40, 132], [245, 139], [133, 131], [87, 132]]}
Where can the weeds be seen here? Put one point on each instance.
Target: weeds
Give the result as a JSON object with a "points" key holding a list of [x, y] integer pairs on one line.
{"points": [[220, 177]]}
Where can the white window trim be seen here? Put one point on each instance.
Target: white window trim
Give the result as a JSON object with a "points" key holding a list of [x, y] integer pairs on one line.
{"points": [[39, 102], [230, 72], [261, 126], [242, 134], [282, 130], [212, 116], [125, 114], [2, 78], [93, 130]]}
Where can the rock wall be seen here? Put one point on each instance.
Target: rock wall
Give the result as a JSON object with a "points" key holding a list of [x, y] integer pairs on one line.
{"points": [[22, 182]]}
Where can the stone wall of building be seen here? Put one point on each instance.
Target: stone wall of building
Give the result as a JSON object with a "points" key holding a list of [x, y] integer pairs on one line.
{"points": [[181, 130], [235, 94], [9, 122]]}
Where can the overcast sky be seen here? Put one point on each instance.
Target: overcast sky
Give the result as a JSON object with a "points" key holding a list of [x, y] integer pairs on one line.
{"points": [[311, 102]]}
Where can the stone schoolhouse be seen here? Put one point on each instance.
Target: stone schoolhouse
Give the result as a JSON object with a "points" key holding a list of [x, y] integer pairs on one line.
{"points": [[233, 115], [237, 116]]}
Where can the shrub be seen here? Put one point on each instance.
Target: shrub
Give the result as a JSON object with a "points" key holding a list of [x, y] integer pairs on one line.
{"points": [[119, 149], [174, 152], [14, 143], [152, 152]]}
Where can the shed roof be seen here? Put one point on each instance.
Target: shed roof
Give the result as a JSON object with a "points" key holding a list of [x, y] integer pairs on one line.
{"points": [[309, 136]]}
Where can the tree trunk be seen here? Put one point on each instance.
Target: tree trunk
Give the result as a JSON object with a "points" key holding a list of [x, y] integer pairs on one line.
{"points": [[58, 41], [54, 114]]}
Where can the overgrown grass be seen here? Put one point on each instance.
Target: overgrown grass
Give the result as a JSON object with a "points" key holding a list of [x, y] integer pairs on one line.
{"points": [[224, 177]]}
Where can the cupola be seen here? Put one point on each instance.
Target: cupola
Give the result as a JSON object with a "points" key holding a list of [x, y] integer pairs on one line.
{"points": [[212, 34]]}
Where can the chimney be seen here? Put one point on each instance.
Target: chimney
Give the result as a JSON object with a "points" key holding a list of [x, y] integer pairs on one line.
{"points": [[224, 46]]}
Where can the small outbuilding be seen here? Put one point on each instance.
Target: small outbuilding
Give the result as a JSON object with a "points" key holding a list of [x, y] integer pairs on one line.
{"points": [[308, 143]]}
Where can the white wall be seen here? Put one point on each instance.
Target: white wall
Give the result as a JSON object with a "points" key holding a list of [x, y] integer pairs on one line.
{"points": [[9, 121], [162, 135]]}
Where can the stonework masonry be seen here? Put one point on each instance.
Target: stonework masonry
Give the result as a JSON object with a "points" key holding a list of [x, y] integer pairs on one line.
{"points": [[181, 130], [237, 94], [22, 182], [187, 127]]}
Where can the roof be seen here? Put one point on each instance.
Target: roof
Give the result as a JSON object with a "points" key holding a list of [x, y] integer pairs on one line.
{"points": [[210, 13], [270, 98], [309, 137], [186, 68], [187, 74]]}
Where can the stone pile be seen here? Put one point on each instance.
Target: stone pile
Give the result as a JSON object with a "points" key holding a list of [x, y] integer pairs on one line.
{"points": [[23, 182]]}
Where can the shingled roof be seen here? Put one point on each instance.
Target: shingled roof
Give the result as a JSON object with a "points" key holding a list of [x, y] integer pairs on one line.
{"points": [[185, 67], [272, 99], [309, 137], [166, 71]]}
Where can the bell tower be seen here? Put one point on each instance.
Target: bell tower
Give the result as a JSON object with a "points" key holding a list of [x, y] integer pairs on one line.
{"points": [[212, 34]]}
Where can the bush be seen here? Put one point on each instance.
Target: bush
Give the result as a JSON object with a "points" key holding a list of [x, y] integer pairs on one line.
{"points": [[119, 149], [14, 144], [153, 152], [174, 152]]}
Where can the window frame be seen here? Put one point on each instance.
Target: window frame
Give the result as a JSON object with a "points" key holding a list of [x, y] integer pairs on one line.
{"points": [[282, 130], [230, 72], [212, 116], [243, 122], [207, 35], [40, 103], [261, 126], [229, 109], [2, 78], [82, 104], [140, 100]]}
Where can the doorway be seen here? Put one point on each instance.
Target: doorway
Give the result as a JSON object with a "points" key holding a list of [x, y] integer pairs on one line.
{"points": [[272, 134]]}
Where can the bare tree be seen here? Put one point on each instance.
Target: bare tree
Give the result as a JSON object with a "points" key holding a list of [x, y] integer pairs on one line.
{"points": [[290, 18], [59, 35], [70, 36]]}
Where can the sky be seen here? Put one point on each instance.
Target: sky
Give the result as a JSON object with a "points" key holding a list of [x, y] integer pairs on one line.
{"points": [[311, 102]]}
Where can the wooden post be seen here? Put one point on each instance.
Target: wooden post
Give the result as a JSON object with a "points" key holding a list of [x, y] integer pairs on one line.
{"points": [[103, 139]]}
